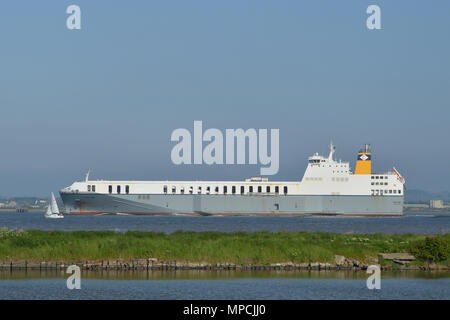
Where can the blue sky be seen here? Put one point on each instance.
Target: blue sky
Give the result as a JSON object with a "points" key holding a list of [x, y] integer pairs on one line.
{"points": [[108, 96]]}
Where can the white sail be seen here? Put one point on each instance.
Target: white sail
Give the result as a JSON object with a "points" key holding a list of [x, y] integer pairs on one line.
{"points": [[55, 209], [49, 210]]}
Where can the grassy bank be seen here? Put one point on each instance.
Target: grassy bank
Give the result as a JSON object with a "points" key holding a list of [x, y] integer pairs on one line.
{"points": [[210, 247]]}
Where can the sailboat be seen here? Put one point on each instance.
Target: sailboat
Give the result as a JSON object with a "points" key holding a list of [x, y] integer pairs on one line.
{"points": [[53, 210]]}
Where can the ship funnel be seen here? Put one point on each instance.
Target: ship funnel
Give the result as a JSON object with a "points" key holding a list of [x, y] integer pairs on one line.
{"points": [[364, 163]]}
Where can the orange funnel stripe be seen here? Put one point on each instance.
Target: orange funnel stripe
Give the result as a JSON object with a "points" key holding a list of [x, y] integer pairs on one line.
{"points": [[364, 163]]}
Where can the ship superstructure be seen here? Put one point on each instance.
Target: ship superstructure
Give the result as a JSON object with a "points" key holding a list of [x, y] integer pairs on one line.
{"points": [[328, 187]]}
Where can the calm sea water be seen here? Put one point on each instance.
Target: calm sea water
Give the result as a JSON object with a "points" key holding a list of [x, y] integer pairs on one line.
{"points": [[225, 285], [419, 223]]}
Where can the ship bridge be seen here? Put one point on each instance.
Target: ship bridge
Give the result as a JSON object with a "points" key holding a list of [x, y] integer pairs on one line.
{"points": [[320, 167]]}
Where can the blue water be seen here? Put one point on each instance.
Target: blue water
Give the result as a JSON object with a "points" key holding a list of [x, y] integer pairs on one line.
{"points": [[418, 223], [227, 288]]}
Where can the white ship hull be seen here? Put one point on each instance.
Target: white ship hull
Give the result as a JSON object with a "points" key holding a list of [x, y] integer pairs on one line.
{"points": [[92, 204], [328, 187]]}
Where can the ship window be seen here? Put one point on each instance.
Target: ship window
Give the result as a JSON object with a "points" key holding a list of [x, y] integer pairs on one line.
{"points": [[118, 189], [259, 189], [386, 177], [373, 177], [93, 188], [233, 189], [372, 183], [385, 183], [381, 177], [225, 189], [182, 190], [191, 189], [390, 191], [165, 189], [242, 189], [174, 189], [277, 189], [199, 190], [250, 189], [285, 189], [217, 190], [395, 191], [399, 191], [127, 189], [110, 189], [268, 189], [376, 177], [89, 188], [208, 189]]}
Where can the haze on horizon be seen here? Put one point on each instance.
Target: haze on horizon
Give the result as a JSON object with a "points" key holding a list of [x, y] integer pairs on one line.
{"points": [[108, 96]]}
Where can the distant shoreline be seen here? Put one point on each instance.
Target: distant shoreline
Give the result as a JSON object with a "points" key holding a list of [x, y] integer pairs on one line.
{"points": [[26, 210]]}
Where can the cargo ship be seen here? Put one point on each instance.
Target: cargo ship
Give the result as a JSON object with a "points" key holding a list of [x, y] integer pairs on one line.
{"points": [[328, 187]]}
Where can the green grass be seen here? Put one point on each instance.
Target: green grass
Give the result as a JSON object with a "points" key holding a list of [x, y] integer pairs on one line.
{"points": [[210, 247]]}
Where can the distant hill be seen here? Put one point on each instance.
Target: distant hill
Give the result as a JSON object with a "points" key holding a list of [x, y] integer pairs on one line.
{"points": [[421, 196]]}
